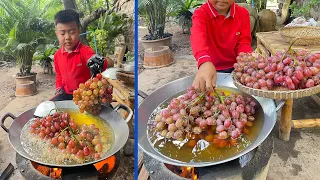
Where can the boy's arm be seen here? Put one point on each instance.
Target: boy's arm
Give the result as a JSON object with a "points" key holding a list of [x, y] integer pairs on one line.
{"points": [[199, 38], [244, 42], [206, 76], [58, 73]]}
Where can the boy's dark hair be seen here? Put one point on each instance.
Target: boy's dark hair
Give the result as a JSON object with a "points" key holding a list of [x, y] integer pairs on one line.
{"points": [[66, 16]]}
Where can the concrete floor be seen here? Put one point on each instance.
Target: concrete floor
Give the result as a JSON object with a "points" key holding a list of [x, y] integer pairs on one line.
{"points": [[295, 160]]}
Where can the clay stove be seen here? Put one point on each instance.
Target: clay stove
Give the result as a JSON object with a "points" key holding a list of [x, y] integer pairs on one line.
{"points": [[256, 168], [105, 169]]}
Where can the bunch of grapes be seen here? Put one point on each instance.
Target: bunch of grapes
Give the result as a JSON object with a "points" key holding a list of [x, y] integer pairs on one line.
{"points": [[94, 92], [218, 116], [80, 143], [292, 70]]}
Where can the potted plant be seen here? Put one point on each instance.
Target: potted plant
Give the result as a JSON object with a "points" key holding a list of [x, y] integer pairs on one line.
{"points": [[23, 48], [26, 27], [44, 54], [155, 12], [129, 63], [183, 11], [24, 53]]}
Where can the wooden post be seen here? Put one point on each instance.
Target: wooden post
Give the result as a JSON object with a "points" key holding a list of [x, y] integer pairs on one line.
{"points": [[285, 121], [285, 10], [119, 54]]}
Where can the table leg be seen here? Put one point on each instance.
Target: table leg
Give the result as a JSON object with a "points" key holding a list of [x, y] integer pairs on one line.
{"points": [[285, 120], [306, 123]]}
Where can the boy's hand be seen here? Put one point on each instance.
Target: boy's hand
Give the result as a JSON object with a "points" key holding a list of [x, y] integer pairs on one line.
{"points": [[206, 77], [59, 91], [95, 64]]}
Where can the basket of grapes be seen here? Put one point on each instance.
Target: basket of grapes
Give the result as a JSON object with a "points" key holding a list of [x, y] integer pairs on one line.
{"points": [[286, 75]]}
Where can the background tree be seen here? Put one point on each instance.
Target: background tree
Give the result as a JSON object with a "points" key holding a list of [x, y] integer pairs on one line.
{"points": [[25, 25]]}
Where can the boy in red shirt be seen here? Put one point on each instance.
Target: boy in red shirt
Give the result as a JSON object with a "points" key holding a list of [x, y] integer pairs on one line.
{"points": [[74, 61], [220, 31]]}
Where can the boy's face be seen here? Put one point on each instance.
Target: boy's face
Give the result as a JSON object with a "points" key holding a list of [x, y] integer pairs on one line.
{"points": [[221, 5], [68, 35]]}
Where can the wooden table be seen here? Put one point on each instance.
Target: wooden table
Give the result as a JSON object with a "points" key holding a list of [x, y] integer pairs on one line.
{"points": [[272, 42], [269, 43], [123, 93]]}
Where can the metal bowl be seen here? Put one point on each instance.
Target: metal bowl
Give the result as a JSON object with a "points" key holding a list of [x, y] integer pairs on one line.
{"points": [[157, 97]]}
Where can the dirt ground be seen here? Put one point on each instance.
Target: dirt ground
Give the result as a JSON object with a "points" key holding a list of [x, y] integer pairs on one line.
{"points": [[7, 88], [180, 42]]}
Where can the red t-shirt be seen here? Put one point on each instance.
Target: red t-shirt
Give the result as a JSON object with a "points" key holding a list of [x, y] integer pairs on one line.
{"points": [[219, 39], [71, 68]]}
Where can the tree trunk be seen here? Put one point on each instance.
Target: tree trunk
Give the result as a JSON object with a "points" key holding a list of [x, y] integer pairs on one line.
{"points": [[69, 4]]}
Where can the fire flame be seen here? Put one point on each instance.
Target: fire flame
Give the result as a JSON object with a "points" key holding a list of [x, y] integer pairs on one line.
{"points": [[188, 172], [55, 173], [111, 161], [51, 172], [185, 172]]}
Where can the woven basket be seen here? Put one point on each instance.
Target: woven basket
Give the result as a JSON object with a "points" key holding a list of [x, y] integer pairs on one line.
{"points": [[305, 35], [276, 92]]}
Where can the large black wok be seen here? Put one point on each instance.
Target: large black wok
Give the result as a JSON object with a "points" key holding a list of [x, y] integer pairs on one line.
{"points": [[167, 91], [117, 123]]}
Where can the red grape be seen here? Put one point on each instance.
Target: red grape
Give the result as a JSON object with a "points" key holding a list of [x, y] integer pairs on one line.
{"points": [[86, 151], [309, 83], [54, 141], [61, 146]]}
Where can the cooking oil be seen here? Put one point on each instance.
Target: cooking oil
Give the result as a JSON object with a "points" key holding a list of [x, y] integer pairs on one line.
{"points": [[204, 151]]}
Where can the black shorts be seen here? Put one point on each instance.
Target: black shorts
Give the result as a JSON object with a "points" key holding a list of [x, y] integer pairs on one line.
{"points": [[62, 97], [226, 70]]}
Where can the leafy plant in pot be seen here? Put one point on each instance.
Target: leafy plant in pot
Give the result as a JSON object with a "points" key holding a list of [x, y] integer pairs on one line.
{"points": [[25, 25], [25, 52], [183, 11], [155, 12], [44, 54], [26, 28], [129, 63], [25, 79]]}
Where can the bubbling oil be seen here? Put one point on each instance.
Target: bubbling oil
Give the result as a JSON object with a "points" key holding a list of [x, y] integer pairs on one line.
{"points": [[204, 151], [85, 118], [42, 150]]}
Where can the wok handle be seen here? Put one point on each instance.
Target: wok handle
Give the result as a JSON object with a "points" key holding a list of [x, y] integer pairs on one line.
{"points": [[279, 105], [126, 108], [3, 118], [142, 94]]}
